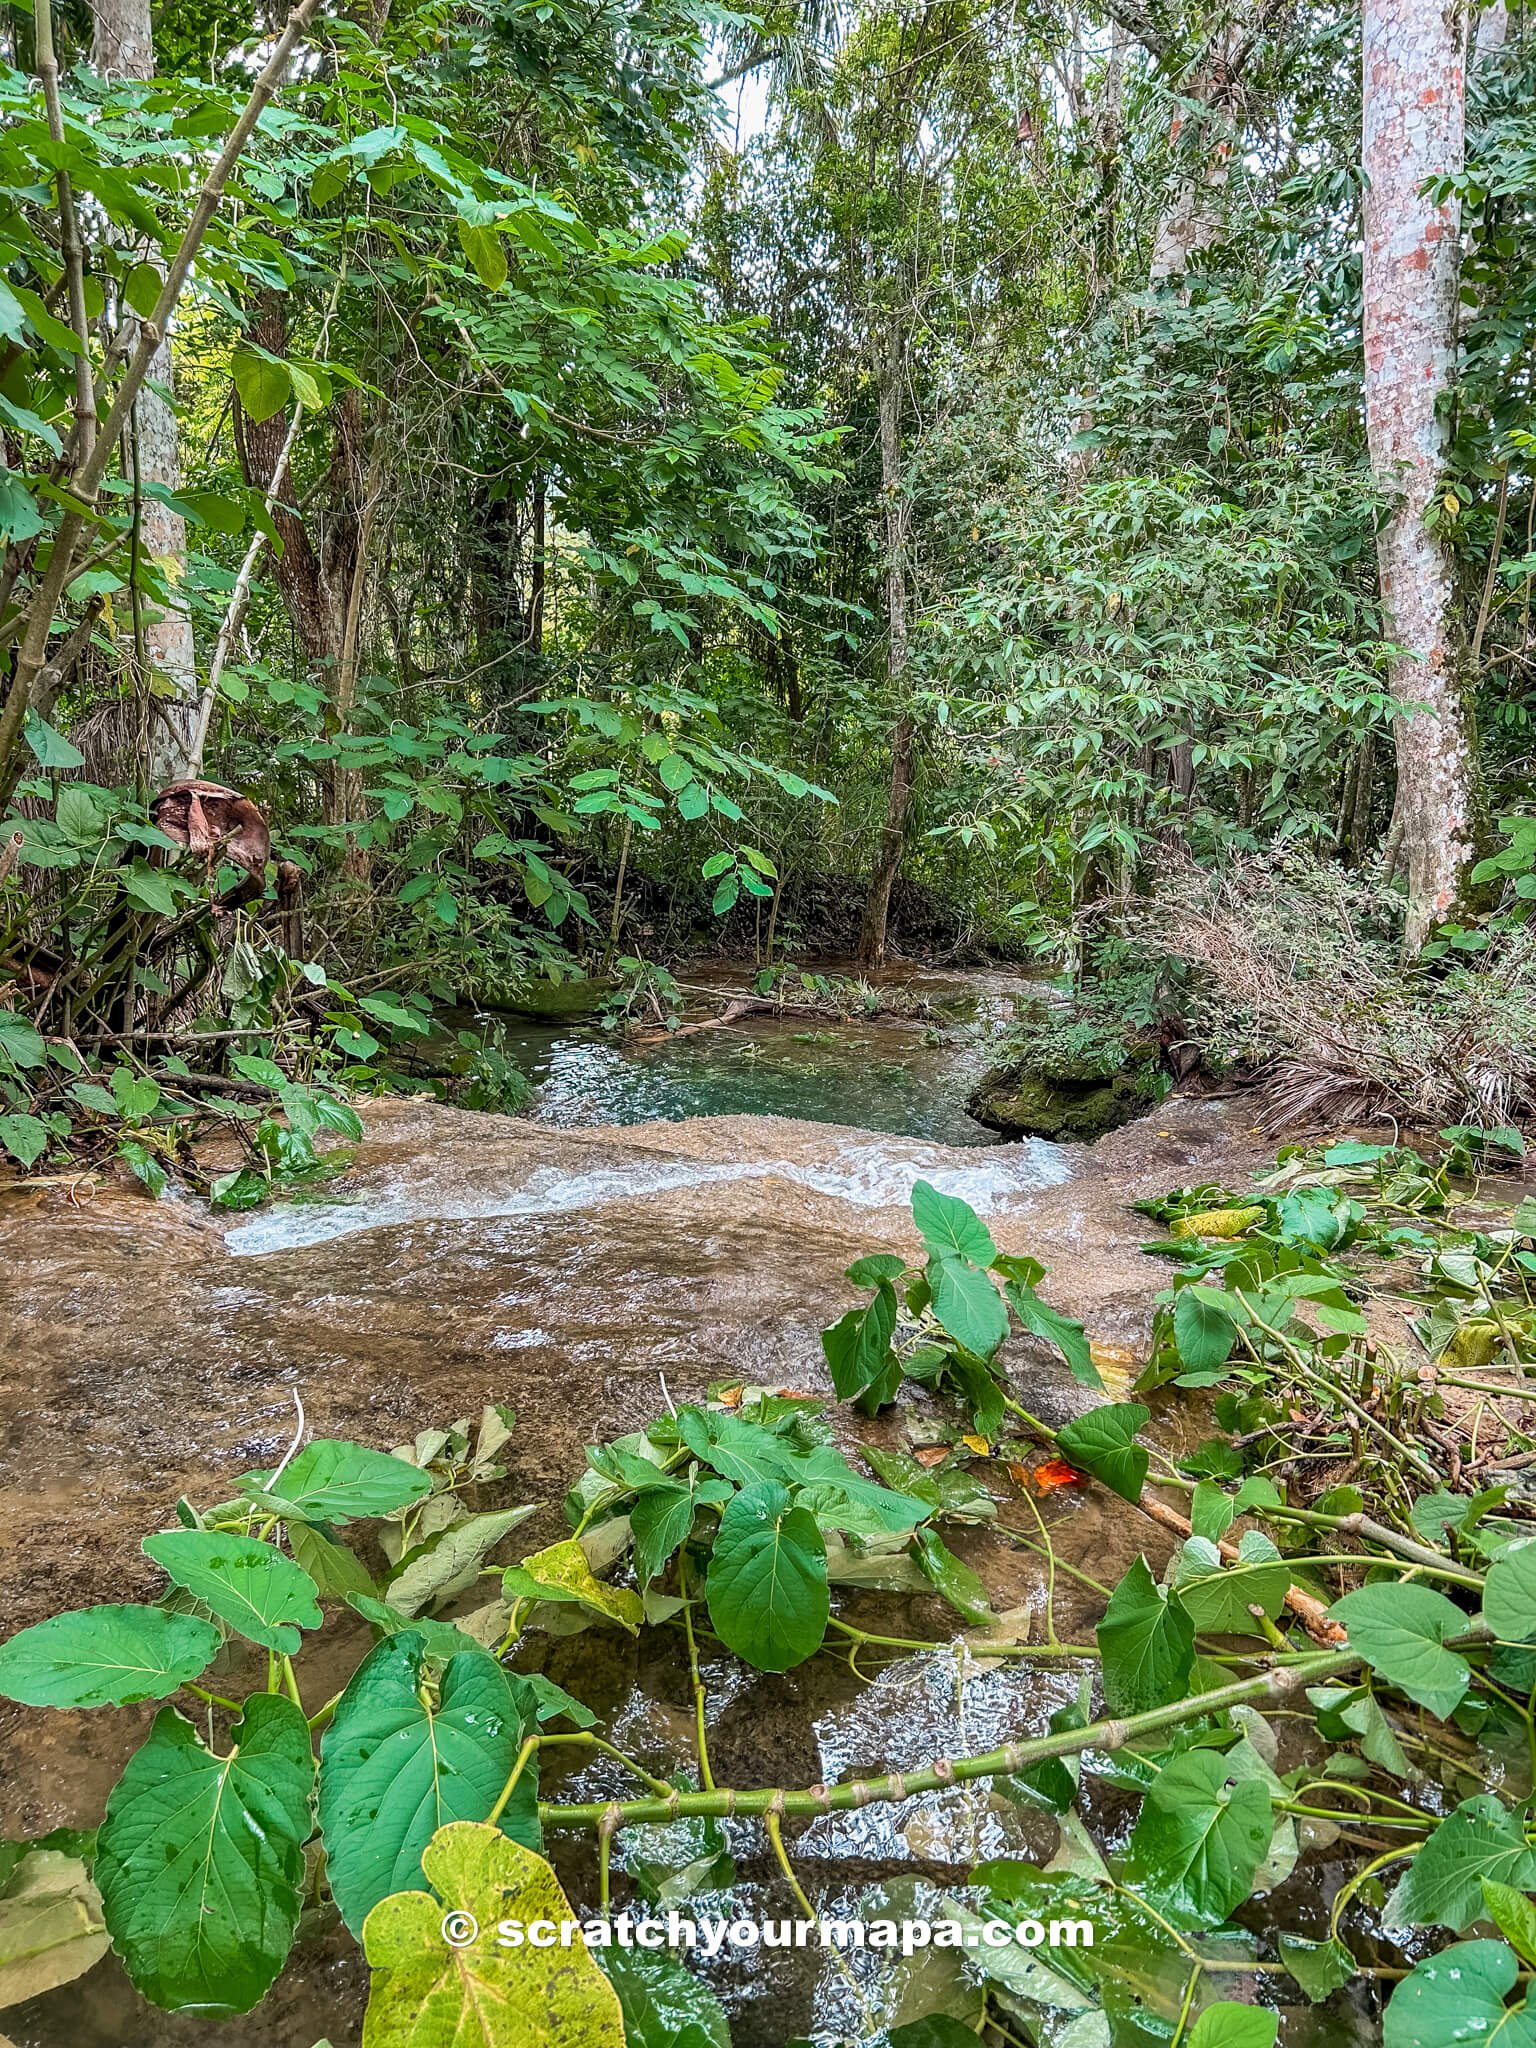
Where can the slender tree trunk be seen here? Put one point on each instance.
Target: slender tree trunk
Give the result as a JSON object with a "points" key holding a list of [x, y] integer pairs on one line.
{"points": [[898, 521], [123, 47], [1413, 113]]}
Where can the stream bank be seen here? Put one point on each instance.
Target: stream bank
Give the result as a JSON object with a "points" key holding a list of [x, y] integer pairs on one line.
{"points": [[583, 1276]]}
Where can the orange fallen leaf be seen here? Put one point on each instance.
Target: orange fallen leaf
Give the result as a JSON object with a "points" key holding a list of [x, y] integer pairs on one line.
{"points": [[931, 1454], [730, 1397], [1057, 1472]]}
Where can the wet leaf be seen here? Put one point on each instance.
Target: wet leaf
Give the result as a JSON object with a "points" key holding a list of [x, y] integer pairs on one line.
{"points": [[261, 1594], [401, 1757], [1514, 1915], [1203, 1328], [425, 1994], [858, 1346], [767, 1582], [105, 1657], [967, 1304], [664, 2004], [562, 1573], [1319, 1967], [954, 1578], [1442, 1885], [1219, 1598], [1456, 1998], [51, 1929], [1200, 1838], [200, 1859]]}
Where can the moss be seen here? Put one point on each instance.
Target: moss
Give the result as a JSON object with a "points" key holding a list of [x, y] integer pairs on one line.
{"points": [[1061, 1107]]}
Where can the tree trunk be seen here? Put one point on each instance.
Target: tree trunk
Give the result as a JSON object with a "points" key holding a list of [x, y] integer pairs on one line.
{"points": [[898, 520], [1413, 114], [123, 46]]}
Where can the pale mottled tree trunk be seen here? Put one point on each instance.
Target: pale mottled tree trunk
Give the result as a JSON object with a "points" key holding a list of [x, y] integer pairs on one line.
{"points": [[898, 519], [1413, 115], [123, 47]]}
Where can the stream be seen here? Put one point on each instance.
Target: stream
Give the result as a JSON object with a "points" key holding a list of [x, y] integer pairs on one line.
{"points": [[586, 1273]]}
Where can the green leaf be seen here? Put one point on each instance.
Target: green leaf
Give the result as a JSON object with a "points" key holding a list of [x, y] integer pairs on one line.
{"points": [[263, 384], [425, 1994], [401, 1758], [24, 1137], [1201, 1836], [1400, 1631], [1319, 1967], [742, 1451], [20, 1043], [967, 1304], [954, 1578], [662, 1517], [1227, 2025], [1456, 1999], [1219, 1598], [1442, 1886], [1147, 1645], [49, 746], [663, 2002], [1509, 1597], [950, 1227], [200, 1860], [450, 1561], [105, 1657], [136, 1095], [484, 248], [1102, 1442], [141, 288], [261, 1594], [1203, 1330], [561, 1573], [767, 1583], [338, 1482], [1069, 1337], [1514, 1915], [858, 1347], [336, 1570]]}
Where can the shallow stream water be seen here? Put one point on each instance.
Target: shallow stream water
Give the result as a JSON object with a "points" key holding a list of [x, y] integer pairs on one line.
{"points": [[585, 1276]]}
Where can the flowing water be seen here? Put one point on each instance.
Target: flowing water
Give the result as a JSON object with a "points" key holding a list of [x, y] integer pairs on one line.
{"points": [[585, 1276]]}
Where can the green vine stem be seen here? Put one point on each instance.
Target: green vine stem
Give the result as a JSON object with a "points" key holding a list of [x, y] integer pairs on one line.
{"points": [[899, 1785]]}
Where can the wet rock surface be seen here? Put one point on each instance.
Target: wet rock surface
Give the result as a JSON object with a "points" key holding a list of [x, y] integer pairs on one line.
{"points": [[582, 1277]]}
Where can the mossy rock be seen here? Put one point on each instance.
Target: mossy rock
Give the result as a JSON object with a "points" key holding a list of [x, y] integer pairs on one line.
{"points": [[1063, 1105], [554, 1001]]}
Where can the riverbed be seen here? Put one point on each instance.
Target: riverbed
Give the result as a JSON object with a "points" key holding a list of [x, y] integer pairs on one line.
{"points": [[586, 1277]]}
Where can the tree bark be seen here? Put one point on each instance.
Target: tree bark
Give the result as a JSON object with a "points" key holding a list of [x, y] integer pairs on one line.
{"points": [[1413, 130], [123, 46], [898, 520]]}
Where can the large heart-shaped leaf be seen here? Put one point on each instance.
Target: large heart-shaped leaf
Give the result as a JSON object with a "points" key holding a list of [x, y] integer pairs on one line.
{"points": [[200, 1860], [1147, 1643], [1442, 1885], [767, 1583], [263, 1595], [1103, 1442], [1401, 1632], [425, 1993], [105, 1657], [402, 1757], [1200, 1838], [949, 1226], [967, 1304], [333, 1481], [1456, 1998]]}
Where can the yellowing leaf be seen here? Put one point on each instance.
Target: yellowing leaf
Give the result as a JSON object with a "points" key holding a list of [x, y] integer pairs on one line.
{"points": [[50, 1926], [1216, 1223], [427, 1993], [562, 1573], [977, 1445]]}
